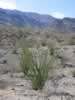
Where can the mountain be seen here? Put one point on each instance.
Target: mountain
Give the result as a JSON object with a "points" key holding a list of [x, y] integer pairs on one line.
{"points": [[24, 19]]}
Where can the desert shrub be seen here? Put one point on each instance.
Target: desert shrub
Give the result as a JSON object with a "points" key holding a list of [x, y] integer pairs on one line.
{"points": [[43, 44], [73, 73], [35, 64], [72, 41], [52, 51], [14, 51], [61, 55]]}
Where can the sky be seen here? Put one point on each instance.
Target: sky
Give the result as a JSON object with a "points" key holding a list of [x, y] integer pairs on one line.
{"points": [[56, 8]]}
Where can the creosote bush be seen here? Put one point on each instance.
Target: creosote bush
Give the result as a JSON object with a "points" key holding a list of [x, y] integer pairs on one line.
{"points": [[73, 73], [35, 64]]}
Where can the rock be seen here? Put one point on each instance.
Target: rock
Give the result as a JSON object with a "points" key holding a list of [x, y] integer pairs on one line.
{"points": [[49, 88], [66, 85], [54, 97]]}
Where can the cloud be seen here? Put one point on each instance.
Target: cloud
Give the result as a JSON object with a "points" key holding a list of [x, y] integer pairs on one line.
{"points": [[8, 4], [58, 15]]}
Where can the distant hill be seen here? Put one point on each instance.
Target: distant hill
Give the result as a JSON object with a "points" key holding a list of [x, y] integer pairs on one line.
{"points": [[24, 19]]}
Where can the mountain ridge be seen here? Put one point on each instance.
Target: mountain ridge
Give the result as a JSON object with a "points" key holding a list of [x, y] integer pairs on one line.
{"points": [[24, 19]]}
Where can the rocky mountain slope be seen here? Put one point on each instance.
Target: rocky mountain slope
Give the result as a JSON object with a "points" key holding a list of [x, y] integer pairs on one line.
{"points": [[23, 19]]}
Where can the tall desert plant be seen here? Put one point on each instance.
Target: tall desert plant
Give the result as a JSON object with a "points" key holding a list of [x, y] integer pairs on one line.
{"points": [[35, 64]]}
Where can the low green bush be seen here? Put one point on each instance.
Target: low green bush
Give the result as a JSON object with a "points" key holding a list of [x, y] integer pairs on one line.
{"points": [[72, 41], [35, 64]]}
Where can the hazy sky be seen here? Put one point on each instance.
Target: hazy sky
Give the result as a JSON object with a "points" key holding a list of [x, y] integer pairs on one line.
{"points": [[57, 8]]}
